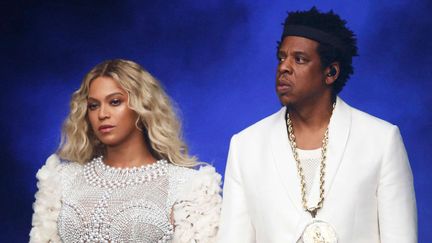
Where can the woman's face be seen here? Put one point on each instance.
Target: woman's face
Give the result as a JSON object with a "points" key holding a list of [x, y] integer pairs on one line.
{"points": [[112, 121]]}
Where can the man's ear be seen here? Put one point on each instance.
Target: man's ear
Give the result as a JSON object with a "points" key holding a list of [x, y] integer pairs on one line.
{"points": [[332, 73]]}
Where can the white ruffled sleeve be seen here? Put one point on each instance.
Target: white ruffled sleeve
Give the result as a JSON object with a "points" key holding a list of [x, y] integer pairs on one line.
{"points": [[47, 205], [197, 210]]}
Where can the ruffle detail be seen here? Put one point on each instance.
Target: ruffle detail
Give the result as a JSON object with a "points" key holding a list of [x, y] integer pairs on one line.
{"points": [[197, 210], [47, 205]]}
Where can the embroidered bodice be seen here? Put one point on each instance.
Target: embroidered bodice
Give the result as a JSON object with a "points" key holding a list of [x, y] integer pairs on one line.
{"points": [[105, 204], [97, 203]]}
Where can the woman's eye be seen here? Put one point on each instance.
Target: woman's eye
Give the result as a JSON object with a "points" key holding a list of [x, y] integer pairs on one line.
{"points": [[92, 106], [115, 102]]}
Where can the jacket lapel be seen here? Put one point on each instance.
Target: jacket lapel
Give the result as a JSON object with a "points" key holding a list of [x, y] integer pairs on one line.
{"points": [[339, 129], [284, 160], [286, 168]]}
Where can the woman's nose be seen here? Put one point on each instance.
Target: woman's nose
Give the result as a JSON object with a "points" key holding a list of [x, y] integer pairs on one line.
{"points": [[103, 112]]}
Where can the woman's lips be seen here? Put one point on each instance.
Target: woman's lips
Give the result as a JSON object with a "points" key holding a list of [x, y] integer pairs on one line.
{"points": [[106, 128]]}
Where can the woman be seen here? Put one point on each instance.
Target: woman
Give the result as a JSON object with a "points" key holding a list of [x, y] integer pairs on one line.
{"points": [[122, 172]]}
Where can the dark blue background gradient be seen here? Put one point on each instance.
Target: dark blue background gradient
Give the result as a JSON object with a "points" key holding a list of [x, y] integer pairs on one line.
{"points": [[217, 61]]}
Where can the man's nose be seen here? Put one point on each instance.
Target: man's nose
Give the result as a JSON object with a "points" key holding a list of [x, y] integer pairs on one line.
{"points": [[285, 66]]}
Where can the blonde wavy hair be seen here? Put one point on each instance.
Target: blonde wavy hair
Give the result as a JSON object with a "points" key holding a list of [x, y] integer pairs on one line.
{"points": [[156, 116]]}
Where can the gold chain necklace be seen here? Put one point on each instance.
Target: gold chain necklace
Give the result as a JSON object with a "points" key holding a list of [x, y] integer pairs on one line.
{"points": [[313, 210]]}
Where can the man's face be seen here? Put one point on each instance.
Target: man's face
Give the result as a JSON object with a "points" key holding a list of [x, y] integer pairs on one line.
{"points": [[300, 76]]}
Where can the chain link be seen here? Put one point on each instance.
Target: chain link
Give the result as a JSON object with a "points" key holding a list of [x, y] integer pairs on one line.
{"points": [[313, 210]]}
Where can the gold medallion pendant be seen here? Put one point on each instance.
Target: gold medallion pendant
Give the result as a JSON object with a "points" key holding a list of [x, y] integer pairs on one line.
{"points": [[319, 231]]}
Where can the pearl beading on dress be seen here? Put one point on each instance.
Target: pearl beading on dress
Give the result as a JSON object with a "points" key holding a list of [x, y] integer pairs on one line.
{"points": [[113, 192], [127, 175]]}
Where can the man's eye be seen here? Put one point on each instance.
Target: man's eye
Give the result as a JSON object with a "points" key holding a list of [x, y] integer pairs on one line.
{"points": [[115, 102], [92, 106], [300, 60], [281, 57]]}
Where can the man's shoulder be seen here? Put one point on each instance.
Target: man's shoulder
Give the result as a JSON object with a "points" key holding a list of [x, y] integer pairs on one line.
{"points": [[263, 125], [366, 125], [370, 121]]}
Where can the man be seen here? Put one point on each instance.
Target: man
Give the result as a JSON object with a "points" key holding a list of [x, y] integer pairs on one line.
{"points": [[317, 170]]}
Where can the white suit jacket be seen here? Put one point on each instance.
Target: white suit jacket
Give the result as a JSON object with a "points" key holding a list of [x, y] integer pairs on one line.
{"points": [[369, 194]]}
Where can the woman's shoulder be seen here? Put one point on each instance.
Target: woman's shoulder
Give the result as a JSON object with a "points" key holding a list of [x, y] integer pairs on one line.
{"points": [[57, 173], [200, 185], [204, 175], [51, 180], [55, 166], [197, 203]]}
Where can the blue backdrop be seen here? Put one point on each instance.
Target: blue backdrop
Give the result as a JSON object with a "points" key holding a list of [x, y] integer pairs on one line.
{"points": [[217, 61]]}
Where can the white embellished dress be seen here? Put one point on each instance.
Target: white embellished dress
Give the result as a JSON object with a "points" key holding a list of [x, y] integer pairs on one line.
{"points": [[159, 203]]}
